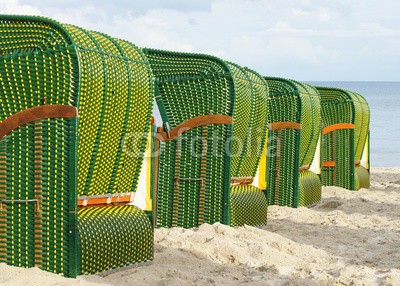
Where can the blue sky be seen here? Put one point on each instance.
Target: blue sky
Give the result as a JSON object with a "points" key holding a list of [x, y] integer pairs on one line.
{"points": [[301, 39]]}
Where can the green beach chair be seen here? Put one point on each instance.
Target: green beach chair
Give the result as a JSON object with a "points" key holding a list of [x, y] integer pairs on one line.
{"points": [[208, 108], [294, 116], [75, 111], [345, 136]]}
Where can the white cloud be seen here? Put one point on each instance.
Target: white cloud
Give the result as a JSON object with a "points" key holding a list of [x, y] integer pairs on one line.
{"points": [[14, 7], [321, 14], [290, 38], [157, 28]]}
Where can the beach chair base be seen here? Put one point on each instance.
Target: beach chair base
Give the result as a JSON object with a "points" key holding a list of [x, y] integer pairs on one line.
{"points": [[248, 206], [309, 189], [362, 178], [113, 237]]}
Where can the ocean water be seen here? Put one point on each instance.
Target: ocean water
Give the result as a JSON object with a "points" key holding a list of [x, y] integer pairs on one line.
{"points": [[384, 102]]}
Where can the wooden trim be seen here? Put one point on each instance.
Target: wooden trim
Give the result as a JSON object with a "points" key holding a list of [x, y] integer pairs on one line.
{"points": [[241, 181], [104, 205], [193, 123], [38, 188], [304, 168], [36, 113], [203, 174], [339, 126], [329, 164], [105, 200], [284, 125]]}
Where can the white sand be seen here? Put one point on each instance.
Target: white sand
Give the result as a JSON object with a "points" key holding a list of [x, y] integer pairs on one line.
{"points": [[350, 238]]}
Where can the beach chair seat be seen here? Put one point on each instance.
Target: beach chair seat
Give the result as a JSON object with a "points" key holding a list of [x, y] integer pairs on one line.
{"points": [[75, 123], [113, 237]]}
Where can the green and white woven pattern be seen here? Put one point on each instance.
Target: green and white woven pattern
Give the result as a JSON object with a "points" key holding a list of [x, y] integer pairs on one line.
{"points": [[106, 232], [250, 117], [309, 188], [361, 133], [109, 81], [248, 206], [41, 231], [344, 147], [289, 148]]}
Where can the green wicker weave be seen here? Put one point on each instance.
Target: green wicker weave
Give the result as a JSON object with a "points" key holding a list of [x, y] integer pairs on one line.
{"points": [[345, 117], [196, 168], [47, 163], [294, 116], [248, 203]]}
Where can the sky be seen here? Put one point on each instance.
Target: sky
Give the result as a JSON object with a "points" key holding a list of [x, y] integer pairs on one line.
{"points": [[307, 40]]}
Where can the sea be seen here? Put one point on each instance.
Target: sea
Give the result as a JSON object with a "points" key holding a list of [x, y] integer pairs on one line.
{"points": [[384, 102]]}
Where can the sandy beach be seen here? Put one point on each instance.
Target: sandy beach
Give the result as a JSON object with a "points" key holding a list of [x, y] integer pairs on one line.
{"points": [[350, 238]]}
